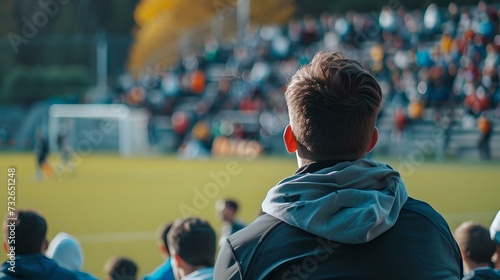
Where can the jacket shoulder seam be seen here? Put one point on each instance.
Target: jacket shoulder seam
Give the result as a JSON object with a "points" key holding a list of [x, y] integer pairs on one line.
{"points": [[439, 228], [232, 250], [261, 239]]}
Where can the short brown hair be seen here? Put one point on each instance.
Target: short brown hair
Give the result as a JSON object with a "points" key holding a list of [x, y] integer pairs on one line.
{"points": [[194, 241], [333, 105], [475, 242]]}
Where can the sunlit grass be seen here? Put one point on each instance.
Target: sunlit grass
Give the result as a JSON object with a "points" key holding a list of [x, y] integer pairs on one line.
{"points": [[114, 205]]}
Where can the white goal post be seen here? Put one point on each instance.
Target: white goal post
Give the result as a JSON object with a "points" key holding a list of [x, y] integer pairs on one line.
{"points": [[128, 125]]}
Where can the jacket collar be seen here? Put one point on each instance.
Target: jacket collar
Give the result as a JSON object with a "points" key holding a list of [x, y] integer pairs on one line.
{"points": [[318, 165]]}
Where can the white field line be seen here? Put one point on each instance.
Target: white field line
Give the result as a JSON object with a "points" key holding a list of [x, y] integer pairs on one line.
{"points": [[117, 237]]}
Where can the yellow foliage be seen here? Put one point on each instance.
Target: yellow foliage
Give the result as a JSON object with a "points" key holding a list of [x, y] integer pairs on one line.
{"points": [[149, 10], [149, 41], [161, 24], [271, 11]]}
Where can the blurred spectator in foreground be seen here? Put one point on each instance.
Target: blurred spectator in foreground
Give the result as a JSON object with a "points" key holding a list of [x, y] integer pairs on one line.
{"points": [[227, 209], [495, 236], [120, 268], [485, 130], [192, 247], [164, 271], [66, 251], [29, 229], [477, 249]]}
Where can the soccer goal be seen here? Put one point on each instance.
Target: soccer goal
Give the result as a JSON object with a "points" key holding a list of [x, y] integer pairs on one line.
{"points": [[87, 128]]}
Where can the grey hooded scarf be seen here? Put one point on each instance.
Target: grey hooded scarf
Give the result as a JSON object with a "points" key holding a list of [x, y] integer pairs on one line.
{"points": [[351, 202]]}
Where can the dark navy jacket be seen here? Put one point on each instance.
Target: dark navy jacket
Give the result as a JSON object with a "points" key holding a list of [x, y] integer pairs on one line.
{"points": [[419, 246], [35, 267], [483, 273]]}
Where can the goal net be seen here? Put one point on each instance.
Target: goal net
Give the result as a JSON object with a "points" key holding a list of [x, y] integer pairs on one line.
{"points": [[98, 128]]}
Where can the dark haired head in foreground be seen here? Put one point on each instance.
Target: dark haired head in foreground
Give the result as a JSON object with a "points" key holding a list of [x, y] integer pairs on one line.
{"points": [[477, 249], [192, 246], [120, 268], [340, 216], [25, 243]]}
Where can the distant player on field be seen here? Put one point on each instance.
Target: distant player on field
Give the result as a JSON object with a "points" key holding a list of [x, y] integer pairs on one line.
{"points": [[64, 150], [227, 209], [42, 152]]}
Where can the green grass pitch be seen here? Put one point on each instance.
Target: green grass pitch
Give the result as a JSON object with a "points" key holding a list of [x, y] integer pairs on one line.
{"points": [[114, 205]]}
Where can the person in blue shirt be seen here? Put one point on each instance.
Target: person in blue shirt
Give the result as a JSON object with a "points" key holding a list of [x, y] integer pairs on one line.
{"points": [[164, 271]]}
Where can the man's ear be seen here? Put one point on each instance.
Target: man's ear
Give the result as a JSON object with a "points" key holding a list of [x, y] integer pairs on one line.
{"points": [[45, 245], [373, 140], [163, 250], [179, 260], [289, 139], [465, 255]]}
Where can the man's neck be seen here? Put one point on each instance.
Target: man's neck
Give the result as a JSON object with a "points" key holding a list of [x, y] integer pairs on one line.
{"points": [[303, 161], [193, 269], [470, 266], [497, 262]]}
